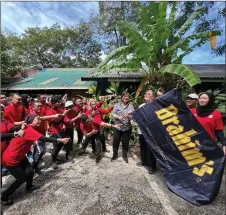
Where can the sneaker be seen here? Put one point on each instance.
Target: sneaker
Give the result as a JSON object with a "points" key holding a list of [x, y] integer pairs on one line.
{"points": [[151, 171], [114, 158], [32, 188], [6, 201], [81, 152], [98, 159], [54, 165], [125, 159], [140, 163]]}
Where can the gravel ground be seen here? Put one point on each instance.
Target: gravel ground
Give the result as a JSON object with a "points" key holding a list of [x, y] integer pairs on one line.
{"points": [[87, 188]]}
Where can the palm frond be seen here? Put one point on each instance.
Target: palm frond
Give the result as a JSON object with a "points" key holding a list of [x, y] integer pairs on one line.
{"points": [[183, 71]]}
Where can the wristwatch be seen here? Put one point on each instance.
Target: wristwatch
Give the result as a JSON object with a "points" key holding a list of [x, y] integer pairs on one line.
{"points": [[16, 134]]}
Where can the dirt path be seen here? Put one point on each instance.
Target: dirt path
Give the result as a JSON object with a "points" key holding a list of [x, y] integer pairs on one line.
{"points": [[87, 188]]}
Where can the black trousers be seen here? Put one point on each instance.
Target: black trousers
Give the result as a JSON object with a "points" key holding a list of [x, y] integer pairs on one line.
{"points": [[96, 143], [147, 157], [39, 151], [102, 138], [69, 132], [123, 136], [23, 172], [58, 146], [79, 134]]}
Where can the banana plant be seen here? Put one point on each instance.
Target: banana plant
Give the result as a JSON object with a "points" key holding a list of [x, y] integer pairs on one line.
{"points": [[155, 49], [113, 88]]}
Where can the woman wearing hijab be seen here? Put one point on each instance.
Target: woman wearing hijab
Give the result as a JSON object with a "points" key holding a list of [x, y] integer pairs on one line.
{"points": [[210, 118], [15, 160]]}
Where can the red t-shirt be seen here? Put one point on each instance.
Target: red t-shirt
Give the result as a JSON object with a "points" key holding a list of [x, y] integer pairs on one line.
{"points": [[92, 124], [19, 147], [76, 111], [44, 109], [70, 115], [210, 123], [5, 127], [13, 113], [53, 128]]}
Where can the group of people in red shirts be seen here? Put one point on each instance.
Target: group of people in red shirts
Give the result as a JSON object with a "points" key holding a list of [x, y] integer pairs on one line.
{"points": [[25, 123]]}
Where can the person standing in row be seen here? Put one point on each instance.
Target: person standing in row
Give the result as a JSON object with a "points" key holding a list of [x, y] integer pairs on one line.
{"points": [[209, 118], [14, 111], [192, 100], [147, 156], [122, 115], [77, 109]]}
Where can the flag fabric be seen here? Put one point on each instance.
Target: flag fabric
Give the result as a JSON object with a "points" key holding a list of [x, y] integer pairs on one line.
{"points": [[192, 163]]}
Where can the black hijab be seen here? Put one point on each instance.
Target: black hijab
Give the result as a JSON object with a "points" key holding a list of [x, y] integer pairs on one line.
{"points": [[206, 110]]}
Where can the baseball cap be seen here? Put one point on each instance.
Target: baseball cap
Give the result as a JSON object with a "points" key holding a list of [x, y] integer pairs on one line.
{"points": [[68, 104], [193, 96]]}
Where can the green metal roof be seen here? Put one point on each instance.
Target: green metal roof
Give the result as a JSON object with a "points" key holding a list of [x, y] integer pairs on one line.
{"points": [[59, 78]]}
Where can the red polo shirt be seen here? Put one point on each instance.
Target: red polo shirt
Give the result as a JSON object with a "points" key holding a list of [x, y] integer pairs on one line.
{"points": [[53, 128], [77, 110], [13, 113], [42, 128], [19, 147], [92, 124], [70, 115], [210, 123], [5, 127], [44, 109]]}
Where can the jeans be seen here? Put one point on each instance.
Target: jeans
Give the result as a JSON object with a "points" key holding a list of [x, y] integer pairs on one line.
{"points": [[123, 136], [147, 157], [39, 151], [58, 146], [23, 172]]}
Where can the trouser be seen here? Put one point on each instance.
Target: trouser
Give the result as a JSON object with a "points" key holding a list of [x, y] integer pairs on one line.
{"points": [[69, 132], [102, 138], [39, 151], [23, 172], [147, 157], [123, 136], [79, 134], [58, 146], [96, 142]]}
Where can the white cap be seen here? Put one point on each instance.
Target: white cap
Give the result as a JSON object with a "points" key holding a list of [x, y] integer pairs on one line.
{"points": [[193, 96], [68, 103]]}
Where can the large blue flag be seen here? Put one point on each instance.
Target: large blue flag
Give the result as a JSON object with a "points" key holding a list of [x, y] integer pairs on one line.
{"points": [[192, 163]]}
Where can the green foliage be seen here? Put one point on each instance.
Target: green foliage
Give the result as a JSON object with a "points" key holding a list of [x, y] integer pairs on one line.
{"points": [[154, 44], [55, 46], [11, 62], [113, 88], [107, 21]]}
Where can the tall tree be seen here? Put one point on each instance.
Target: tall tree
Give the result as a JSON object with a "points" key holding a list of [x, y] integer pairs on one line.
{"points": [[107, 21], [11, 62], [55, 46], [153, 46]]}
